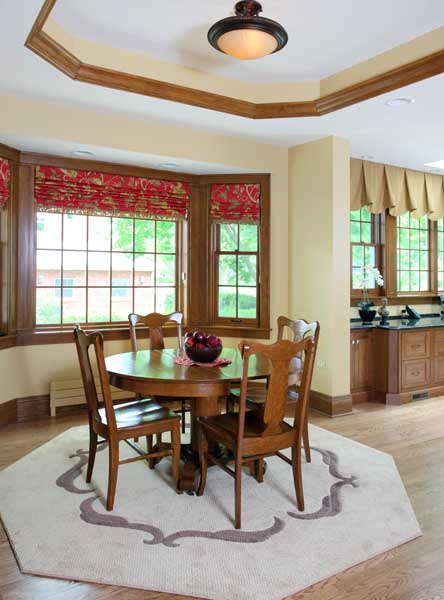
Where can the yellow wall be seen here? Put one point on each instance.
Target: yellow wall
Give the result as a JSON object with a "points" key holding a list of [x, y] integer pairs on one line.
{"points": [[9, 374], [319, 205], [36, 366]]}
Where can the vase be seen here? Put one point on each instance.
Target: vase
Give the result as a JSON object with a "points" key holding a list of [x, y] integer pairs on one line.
{"points": [[367, 316]]}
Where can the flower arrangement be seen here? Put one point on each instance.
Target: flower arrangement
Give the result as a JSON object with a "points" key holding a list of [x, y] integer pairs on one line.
{"points": [[369, 274]]}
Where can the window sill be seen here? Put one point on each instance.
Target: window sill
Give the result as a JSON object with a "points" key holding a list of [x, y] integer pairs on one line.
{"points": [[404, 298], [65, 335]]}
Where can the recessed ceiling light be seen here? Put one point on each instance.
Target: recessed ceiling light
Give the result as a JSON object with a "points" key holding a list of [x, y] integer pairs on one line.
{"points": [[395, 102], [83, 153], [169, 165], [367, 157], [437, 164]]}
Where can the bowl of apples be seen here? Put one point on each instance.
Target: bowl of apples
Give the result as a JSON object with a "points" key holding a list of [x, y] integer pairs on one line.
{"points": [[201, 347]]}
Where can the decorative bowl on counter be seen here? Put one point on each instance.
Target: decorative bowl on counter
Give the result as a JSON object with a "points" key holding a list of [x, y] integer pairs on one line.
{"points": [[367, 316], [201, 347]]}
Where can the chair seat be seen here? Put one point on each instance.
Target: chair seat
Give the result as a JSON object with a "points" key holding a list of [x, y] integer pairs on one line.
{"points": [[137, 413], [256, 396], [228, 422]]}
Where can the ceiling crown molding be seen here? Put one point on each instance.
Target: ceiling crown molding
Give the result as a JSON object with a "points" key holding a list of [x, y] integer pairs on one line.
{"points": [[57, 55]]}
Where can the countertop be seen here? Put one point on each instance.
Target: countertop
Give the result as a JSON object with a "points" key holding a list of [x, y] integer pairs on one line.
{"points": [[400, 323]]}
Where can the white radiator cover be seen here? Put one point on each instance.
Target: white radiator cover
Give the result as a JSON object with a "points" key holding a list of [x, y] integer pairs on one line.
{"points": [[69, 392]]}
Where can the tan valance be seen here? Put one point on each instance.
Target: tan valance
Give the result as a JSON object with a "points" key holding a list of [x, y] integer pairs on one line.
{"points": [[399, 190]]}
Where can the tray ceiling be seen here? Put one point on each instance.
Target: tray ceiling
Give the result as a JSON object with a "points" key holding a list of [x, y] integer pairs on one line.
{"points": [[324, 36]]}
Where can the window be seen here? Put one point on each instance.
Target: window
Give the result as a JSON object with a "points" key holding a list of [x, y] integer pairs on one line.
{"points": [[237, 271], [440, 253], [364, 249], [64, 286], [412, 254], [96, 269]]}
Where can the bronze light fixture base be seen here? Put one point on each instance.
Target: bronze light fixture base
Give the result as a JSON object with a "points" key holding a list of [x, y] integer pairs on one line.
{"points": [[247, 18]]}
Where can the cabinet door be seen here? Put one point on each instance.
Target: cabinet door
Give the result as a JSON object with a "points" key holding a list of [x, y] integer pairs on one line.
{"points": [[362, 360], [415, 373], [415, 345]]}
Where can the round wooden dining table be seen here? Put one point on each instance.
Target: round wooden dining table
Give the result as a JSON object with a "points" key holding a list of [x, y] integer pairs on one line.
{"points": [[154, 373]]}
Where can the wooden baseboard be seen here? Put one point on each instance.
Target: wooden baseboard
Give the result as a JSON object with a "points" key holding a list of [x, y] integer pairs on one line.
{"points": [[414, 396], [8, 412], [333, 406], [31, 408]]}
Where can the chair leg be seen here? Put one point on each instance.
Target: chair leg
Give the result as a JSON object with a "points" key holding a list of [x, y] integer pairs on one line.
{"points": [[306, 442], [203, 456], [175, 439], [228, 404], [183, 411], [158, 439], [149, 445], [112, 474], [296, 460], [260, 470], [237, 491], [92, 454]]}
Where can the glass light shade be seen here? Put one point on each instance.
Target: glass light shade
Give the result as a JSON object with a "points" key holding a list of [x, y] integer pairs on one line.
{"points": [[247, 44]]}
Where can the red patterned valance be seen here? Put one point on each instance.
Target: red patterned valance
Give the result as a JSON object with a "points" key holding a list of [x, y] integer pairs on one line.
{"points": [[235, 202], [88, 192], [5, 181]]}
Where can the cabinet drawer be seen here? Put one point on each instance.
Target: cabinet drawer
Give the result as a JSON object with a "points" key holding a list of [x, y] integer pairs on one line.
{"points": [[438, 343], [415, 373], [438, 370], [415, 344]]}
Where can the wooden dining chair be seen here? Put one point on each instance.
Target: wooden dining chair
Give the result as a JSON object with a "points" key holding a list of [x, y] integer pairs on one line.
{"points": [[298, 329], [117, 423], [253, 435], [155, 323]]}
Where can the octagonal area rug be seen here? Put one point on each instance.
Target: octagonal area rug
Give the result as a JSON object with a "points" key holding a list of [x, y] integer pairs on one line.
{"points": [[356, 508]]}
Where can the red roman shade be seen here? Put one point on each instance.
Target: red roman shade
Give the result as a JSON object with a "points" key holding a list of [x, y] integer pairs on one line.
{"points": [[235, 202], [93, 193], [5, 181]]}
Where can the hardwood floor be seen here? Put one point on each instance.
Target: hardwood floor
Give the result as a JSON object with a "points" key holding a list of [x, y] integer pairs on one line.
{"points": [[413, 434]]}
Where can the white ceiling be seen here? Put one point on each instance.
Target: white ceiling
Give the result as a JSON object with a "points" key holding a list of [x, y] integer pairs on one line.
{"points": [[409, 136], [325, 36]]}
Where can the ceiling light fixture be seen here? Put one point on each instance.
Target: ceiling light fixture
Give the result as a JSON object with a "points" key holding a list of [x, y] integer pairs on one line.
{"points": [[246, 35], [395, 102], [169, 165], [82, 153]]}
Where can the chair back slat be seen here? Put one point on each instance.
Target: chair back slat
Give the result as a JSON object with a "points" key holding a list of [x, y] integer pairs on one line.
{"points": [[299, 328], [155, 323], [84, 341], [280, 355]]}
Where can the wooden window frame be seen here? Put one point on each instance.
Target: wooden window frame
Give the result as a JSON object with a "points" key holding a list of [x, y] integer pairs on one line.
{"points": [[202, 279], [8, 249], [378, 235], [388, 258], [217, 252], [194, 274]]}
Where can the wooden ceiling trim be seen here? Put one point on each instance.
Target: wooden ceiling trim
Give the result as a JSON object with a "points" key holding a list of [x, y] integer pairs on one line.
{"points": [[50, 50]]}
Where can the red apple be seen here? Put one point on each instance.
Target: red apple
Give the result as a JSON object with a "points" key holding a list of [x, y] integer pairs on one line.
{"points": [[200, 345], [188, 334], [212, 341], [199, 337], [189, 342]]}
